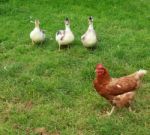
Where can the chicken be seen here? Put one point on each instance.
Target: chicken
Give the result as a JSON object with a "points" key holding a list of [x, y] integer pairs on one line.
{"points": [[118, 91]]}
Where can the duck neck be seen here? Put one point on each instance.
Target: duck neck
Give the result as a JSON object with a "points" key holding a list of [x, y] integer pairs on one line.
{"points": [[67, 27], [37, 26], [91, 27]]}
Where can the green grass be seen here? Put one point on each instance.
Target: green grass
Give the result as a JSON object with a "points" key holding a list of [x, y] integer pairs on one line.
{"points": [[59, 84]]}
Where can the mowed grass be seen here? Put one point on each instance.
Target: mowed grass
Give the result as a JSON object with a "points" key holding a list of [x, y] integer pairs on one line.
{"points": [[41, 87]]}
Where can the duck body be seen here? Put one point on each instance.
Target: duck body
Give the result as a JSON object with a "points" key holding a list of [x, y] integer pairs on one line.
{"points": [[37, 35], [65, 37], [89, 39]]}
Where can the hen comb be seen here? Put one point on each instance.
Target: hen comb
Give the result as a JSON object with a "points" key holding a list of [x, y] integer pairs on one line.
{"points": [[99, 66]]}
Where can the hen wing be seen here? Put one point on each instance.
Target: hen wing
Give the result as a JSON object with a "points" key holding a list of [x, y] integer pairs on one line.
{"points": [[121, 85], [124, 99]]}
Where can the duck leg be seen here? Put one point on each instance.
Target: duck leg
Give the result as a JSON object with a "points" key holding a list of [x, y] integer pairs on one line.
{"points": [[112, 110], [59, 47], [32, 42], [68, 47]]}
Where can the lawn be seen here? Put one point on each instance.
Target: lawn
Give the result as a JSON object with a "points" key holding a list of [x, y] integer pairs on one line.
{"points": [[42, 87]]}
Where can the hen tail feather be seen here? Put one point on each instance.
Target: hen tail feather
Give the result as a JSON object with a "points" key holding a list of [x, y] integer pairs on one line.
{"points": [[141, 73]]}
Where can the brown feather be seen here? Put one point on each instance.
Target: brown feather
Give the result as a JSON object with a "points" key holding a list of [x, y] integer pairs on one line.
{"points": [[119, 91], [123, 100]]}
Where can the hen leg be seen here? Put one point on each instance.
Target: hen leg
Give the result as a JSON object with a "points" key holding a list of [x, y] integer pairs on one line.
{"points": [[130, 109], [112, 110]]}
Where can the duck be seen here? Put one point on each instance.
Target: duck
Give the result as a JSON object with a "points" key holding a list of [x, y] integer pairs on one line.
{"points": [[37, 35], [89, 38], [65, 37]]}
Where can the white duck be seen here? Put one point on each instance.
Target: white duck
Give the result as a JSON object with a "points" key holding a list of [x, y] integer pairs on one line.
{"points": [[89, 39], [37, 35], [65, 37]]}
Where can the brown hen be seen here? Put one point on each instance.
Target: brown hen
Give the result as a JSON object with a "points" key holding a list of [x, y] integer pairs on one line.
{"points": [[118, 91]]}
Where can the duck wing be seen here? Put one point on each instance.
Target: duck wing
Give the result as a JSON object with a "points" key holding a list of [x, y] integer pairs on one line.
{"points": [[60, 34], [43, 31]]}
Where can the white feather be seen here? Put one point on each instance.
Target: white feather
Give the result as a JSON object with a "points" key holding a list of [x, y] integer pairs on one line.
{"points": [[89, 38], [140, 73], [65, 37], [37, 35]]}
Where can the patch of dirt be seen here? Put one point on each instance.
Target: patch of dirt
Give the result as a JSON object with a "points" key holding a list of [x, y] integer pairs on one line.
{"points": [[43, 131], [28, 105]]}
